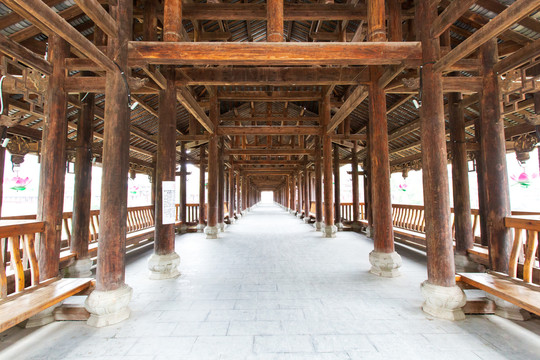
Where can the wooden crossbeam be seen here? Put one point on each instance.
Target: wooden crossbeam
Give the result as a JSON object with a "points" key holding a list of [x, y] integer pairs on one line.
{"points": [[357, 96], [269, 152], [286, 76], [190, 104], [518, 58], [273, 96], [272, 118], [22, 54], [291, 12], [57, 24], [496, 26], [269, 130], [99, 16], [450, 16], [260, 53]]}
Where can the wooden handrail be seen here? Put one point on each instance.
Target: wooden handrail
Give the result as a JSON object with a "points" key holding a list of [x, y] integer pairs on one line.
{"points": [[526, 236]]}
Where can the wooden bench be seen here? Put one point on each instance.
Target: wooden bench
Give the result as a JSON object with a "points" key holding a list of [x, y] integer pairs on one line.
{"points": [[520, 292], [22, 295]]}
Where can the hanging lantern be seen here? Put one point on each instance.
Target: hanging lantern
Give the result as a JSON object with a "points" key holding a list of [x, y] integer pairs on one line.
{"points": [[18, 148], [405, 175]]}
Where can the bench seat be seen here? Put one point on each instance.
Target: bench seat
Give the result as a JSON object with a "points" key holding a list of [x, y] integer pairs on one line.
{"points": [[31, 301], [515, 291]]}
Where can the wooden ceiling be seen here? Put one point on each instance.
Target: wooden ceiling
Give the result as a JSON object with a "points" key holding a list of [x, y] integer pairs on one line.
{"points": [[255, 89]]}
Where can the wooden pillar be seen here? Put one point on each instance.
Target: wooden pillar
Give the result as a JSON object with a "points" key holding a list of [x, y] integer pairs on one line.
{"points": [[299, 195], [493, 151], [443, 298], [274, 21], [244, 193], [202, 171], [395, 28], [355, 189], [460, 177], [329, 229], [83, 189], [2, 165], [111, 290], [384, 260], [318, 185], [211, 229], [183, 187], [306, 195], [221, 186], [53, 162], [293, 193], [337, 189], [238, 195], [232, 195]]}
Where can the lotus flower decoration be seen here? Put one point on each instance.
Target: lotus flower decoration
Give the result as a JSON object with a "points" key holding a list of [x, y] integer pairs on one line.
{"points": [[403, 187], [20, 183], [523, 179]]}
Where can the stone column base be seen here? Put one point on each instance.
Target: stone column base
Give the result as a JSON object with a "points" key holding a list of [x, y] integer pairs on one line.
{"points": [[221, 227], [508, 310], [443, 302], [329, 231], [464, 264], [44, 317], [182, 229], [164, 266], [81, 268], [299, 215], [385, 264], [318, 225], [369, 231], [356, 226], [339, 226], [307, 219], [232, 220], [211, 232], [200, 227], [238, 216], [108, 307]]}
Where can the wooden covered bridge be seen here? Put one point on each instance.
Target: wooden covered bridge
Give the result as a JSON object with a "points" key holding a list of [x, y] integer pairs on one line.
{"points": [[268, 96]]}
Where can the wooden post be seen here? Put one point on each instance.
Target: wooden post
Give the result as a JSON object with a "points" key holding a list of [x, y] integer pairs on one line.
{"points": [[493, 151], [300, 198], [293, 193], [395, 29], [329, 229], [163, 263], [183, 187], [355, 189], [442, 297], [2, 165], [111, 290], [460, 182], [318, 185], [306, 195], [337, 190], [83, 190], [53, 163], [232, 195], [211, 229], [202, 171], [274, 21], [221, 187], [238, 196], [384, 260]]}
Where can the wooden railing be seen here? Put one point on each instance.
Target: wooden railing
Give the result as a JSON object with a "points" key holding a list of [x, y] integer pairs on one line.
{"points": [[525, 251], [18, 260]]}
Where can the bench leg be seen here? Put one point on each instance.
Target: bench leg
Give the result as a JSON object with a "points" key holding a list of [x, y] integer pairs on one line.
{"points": [[385, 264], [329, 231], [319, 225], [108, 307], [508, 310], [81, 268], [42, 318], [164, 266], [443, 302]]}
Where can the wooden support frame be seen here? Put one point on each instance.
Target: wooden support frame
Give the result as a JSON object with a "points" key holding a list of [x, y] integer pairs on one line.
{"points": [[99, 16]]}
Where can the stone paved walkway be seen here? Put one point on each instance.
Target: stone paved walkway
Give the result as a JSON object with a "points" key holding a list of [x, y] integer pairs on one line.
{"points": [[273, 288]]}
